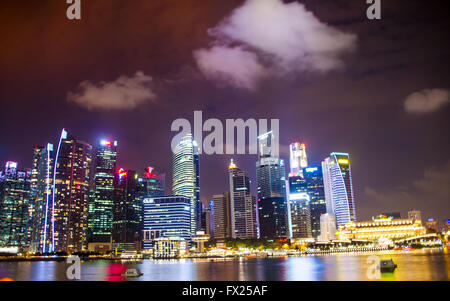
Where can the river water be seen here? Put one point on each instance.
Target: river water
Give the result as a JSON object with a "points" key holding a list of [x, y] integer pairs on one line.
{"points": [[431, 264]]}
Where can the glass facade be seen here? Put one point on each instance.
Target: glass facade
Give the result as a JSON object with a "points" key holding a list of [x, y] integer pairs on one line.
{"points": [[315, 190]]}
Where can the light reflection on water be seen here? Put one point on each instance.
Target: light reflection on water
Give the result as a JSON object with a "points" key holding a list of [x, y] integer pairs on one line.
{"points": [[413, 265]]}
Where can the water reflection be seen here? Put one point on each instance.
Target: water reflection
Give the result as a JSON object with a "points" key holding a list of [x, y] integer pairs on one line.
{"points": [[412, 265]]}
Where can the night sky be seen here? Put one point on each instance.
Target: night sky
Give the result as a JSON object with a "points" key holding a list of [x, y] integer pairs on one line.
{"points": [[377, 89]]}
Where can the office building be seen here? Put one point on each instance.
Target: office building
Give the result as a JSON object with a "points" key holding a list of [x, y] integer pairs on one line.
{"points": [[327, 227], [221, 216], [14, 206], [101, 203], [168, 216], [242, 204], [297, 158], [186, 176], [315, 190], [338, 187], [415, 215]]}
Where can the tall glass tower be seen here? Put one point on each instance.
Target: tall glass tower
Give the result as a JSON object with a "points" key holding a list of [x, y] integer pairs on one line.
{"points": [[186, 176], [272, 205], [101, 203], [243, 204], [297, 158], [338, 187]]}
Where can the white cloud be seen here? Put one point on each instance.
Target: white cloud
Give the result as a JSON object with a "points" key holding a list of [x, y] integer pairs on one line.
{"points": [[125, 93], [427, 100], [286, 38], [233, 66]]}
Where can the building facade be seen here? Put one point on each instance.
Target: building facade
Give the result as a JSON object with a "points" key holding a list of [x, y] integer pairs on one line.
{"points": [[14, 206], [102, 200], [315, 190], [297, 158], [168, 216], [338, 187], [327, 227], [221, 213], [186, 176], [242, 204]]}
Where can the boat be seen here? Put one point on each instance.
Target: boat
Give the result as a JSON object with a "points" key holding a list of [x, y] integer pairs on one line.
{"points": [[132, 273], [387, 266]]}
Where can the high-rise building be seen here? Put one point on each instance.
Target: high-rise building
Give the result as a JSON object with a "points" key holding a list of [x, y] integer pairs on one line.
{"points": [[315, 190], [167, 216], [299, 213], [101, 203], [272, 204], [338, 187], [432, 224], [327, 227], [186, 176], [40, 197], [70, 195], [298, 159], [127, 212], [221, 216], [14, 206], [242, 204], [152, 183]]}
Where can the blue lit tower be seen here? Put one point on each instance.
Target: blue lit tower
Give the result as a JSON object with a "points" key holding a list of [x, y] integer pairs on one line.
{"points": [[315, 190], [338, 187], [272, 205], [186, 176]]}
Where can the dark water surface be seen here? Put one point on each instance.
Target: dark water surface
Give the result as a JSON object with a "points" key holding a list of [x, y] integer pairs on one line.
{"points": [[432, 264]]}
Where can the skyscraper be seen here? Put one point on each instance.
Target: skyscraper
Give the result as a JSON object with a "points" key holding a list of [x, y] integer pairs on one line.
{"points": [[315, 190], [70, 195], [152, 183], [298, 159], [221, 216], [272, 205], [101, 203], [327, 227], [242, 204], [299, 208], [186, 176], [338, 187], [40, 197], [14, 206], [127, 212]]}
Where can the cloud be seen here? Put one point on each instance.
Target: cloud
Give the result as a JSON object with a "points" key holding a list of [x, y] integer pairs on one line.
{"points": [[233, 66], [280, 38], [125, 93], [426, 101], [433, 187]]}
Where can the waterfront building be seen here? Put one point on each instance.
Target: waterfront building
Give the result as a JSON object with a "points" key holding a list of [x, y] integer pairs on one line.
{"points": [[168, 216], [186, 176], [242, 204], [70, 195], [169, 247], [432, 224], [14, 206], [221, 216], [381, 227], [327, 227], [300, 215], [127, 212], [338, 187], [297, 158], [271, 183], [40, 197], [102, 200], [152, 183], [315, 190]]}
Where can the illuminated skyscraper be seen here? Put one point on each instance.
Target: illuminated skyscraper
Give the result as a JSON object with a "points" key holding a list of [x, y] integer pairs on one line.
{"points": [[299, 213], [186, 176], [40, 197], [152, 183], [70, 195], [272, 205], [327, 227], [298, 159], [101, 203], [14, 206], [242, 204], [127, 212], [315, 190], [338, 187]]}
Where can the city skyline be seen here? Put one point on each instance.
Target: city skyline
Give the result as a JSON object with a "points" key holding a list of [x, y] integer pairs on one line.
{"points": [[365, 107]]}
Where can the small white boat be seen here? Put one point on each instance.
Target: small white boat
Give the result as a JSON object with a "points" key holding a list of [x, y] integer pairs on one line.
{"points": [[132, 273]]}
